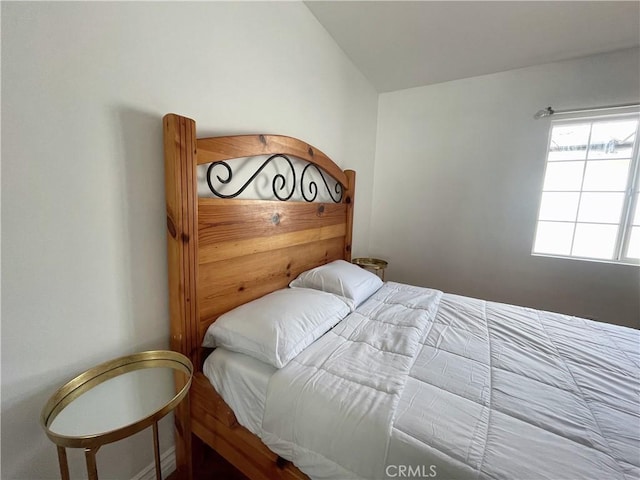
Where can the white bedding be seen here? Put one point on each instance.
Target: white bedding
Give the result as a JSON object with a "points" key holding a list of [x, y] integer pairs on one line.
{"points": [[416, 383], [242, 382]]}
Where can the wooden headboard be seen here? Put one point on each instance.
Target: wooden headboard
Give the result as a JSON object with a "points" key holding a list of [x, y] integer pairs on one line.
{"points": [[224, 252]]}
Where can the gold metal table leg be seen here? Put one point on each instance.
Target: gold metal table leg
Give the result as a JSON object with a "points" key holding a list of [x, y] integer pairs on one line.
{"points": [[156, 451], [62, 460], [92, 469]]}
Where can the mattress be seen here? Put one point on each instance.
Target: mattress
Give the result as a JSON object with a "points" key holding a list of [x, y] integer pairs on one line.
{"points": [[417, 383], [242, 382]]}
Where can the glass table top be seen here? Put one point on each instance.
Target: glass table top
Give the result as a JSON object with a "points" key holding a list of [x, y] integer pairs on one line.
{"points": [[116, 403], [117, 398]]}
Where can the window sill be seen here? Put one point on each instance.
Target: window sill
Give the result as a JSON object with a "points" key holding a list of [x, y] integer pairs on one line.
{"points": [[627, 262]]}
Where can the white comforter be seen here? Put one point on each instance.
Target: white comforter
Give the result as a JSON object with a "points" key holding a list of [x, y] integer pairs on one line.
{"points": [[418, 384]]}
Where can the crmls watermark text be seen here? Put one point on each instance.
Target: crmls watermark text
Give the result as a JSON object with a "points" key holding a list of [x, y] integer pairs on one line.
{"points": [[411, 471]]}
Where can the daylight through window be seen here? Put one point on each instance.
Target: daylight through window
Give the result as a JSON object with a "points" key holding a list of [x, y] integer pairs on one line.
{"points": [[590, 196]]}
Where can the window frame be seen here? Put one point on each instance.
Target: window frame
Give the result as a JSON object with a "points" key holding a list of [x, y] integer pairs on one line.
{"points": [[633, 202], [631, 192]]}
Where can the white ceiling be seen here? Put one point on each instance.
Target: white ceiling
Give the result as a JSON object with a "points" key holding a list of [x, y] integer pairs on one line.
{"points": [[399, 45]]}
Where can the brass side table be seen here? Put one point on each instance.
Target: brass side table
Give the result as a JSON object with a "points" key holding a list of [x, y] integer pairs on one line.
{"points": [[376, 265], [113, 401]]}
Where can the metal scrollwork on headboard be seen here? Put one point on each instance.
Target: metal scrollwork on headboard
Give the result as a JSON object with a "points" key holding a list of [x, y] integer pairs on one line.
{"points": [[313, 186], [279, 182], [278, 178]]}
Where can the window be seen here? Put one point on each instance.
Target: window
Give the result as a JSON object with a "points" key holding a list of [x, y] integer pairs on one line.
{"points": [[590, 207]]}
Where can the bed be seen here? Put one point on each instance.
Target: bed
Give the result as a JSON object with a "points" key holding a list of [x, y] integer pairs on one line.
{"points": [[397, 381]]}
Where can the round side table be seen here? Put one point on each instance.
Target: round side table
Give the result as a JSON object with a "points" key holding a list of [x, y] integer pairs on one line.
{"points": [[374, 264], [113, 401]]}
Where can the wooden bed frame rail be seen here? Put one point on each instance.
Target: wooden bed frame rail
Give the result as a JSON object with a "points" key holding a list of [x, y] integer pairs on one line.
{"points": [[225, 252]]}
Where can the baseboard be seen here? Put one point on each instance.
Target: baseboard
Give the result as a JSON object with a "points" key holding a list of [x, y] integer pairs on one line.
{"points": [[167, 462]]}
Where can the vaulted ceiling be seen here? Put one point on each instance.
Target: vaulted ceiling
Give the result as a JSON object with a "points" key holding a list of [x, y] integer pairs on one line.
{"points": [[399, 44]]}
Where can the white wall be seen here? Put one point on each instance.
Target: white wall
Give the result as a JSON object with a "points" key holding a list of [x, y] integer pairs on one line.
{"points": [[459, 169], [84, 88]]}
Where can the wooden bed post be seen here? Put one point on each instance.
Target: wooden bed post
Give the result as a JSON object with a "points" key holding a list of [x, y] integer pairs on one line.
{"points": [[349, 198], [182, 244]]}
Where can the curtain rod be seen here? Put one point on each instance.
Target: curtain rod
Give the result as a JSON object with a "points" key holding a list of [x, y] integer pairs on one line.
{"points": [[547, 112]]}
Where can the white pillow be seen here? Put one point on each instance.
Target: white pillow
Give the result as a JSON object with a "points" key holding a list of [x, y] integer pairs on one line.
{"points": [[340, 278], [277, 327]]}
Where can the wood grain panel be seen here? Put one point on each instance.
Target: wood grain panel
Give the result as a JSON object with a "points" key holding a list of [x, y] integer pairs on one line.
{"points": [[226, 284], [238, 146], [221, 220], [231, 249], [203, 394], [244, 450]]}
